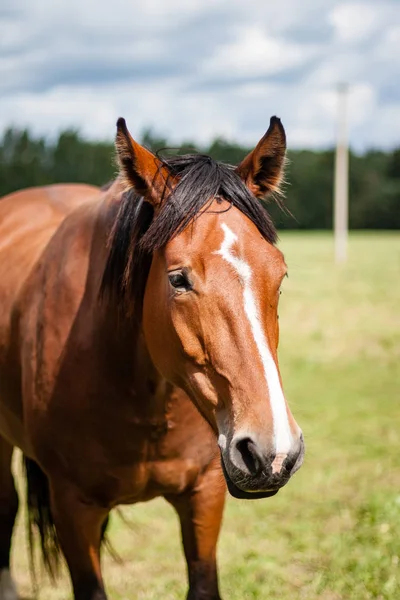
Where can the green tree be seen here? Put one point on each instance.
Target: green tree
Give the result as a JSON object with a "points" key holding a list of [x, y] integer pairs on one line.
{"points": [[374, 185]]}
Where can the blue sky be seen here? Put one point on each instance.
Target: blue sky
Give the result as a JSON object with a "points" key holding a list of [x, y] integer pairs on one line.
{"points": [[195, 69]]}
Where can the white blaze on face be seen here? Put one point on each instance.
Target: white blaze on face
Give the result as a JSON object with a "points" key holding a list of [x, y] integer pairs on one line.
{"points": [[282, 433]]}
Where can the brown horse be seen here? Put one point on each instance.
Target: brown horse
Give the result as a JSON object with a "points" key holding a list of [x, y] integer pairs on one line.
{"points": [[138, 327]]}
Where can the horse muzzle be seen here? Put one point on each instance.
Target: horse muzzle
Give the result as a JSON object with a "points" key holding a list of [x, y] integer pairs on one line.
{"points": [[252, 474]]}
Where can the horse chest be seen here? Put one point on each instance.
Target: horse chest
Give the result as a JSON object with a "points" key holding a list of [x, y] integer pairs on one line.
{"points": [[164, 477], [123, 457], [138, 476], [172, 462]]}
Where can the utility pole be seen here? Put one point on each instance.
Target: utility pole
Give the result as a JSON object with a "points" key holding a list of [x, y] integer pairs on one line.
{"points": [[341, 184]]}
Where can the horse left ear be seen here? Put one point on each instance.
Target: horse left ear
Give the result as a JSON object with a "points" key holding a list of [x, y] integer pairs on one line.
{"points": [[139, 167], [262, 169]]}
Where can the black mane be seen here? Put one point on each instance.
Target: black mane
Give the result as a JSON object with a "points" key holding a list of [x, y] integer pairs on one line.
{"points": [[137, 231]]}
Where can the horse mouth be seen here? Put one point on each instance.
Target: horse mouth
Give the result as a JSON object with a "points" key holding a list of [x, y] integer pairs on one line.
{"points": [[236, 492]]}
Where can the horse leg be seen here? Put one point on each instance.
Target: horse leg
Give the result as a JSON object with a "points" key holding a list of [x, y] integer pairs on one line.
{"points": [[8, 513], [80, 527], [200, 514]]}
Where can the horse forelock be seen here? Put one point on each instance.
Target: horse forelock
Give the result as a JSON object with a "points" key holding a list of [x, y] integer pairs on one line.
{"points": [[138, 230]]}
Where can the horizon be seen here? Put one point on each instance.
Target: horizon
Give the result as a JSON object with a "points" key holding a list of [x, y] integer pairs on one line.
{"points": [[52, 137]]}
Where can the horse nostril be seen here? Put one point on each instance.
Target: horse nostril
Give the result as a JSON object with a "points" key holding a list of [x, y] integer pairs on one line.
{"points": [[295, 459], [290, 462], [250, 455]]}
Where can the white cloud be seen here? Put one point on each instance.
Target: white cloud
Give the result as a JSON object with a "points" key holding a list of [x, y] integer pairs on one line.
{"points": [[194, 70], [255, 52], [355, 21], [389, 47]]}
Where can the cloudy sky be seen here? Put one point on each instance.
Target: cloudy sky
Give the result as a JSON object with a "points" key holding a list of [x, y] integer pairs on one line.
{"points": [[194, 69]]}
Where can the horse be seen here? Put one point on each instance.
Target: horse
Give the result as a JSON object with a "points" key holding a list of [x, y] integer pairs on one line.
{"points": [[138, 353]]}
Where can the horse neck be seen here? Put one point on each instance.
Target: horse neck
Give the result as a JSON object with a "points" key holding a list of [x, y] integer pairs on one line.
{"points": [[119, 339]]}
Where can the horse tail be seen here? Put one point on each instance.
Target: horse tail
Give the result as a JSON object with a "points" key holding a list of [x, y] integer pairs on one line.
{"points": [[40, 519]]}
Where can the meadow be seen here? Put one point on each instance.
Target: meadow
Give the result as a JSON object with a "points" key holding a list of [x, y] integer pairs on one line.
{"points": [[334, 532]]}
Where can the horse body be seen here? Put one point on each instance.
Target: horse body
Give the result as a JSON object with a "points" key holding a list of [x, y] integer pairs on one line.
{"points": [[118, 397], [68, 373], [72, 380]]}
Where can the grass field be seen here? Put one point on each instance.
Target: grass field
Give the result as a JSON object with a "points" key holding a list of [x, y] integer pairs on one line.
{"points": [[334, 532]]}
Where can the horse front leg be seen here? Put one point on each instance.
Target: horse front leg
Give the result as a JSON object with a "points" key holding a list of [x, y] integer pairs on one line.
{"points": [[200, 513], [79, 526]]}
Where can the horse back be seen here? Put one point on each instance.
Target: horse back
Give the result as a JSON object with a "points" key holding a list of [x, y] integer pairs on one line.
{"points": [[28, 220]]}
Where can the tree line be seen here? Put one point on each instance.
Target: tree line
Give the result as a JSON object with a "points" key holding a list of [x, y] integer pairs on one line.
{"points": [[374, 187]]}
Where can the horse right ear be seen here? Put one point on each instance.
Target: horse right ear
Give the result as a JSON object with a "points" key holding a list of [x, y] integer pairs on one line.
{"points": [[262, 169], [140, 168]]}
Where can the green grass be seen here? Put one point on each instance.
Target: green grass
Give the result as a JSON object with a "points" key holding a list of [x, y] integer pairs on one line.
{"points": [[333, 533]]}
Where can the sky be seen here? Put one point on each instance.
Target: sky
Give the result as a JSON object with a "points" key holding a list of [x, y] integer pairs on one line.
{"points": [[197, 69]]}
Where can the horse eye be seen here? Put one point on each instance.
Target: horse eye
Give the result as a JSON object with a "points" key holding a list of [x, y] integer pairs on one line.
{"points": [[179, 281]]}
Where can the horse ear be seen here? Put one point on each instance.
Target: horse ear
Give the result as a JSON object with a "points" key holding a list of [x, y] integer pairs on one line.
{"points": [[139, 167], [262, 169]]}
